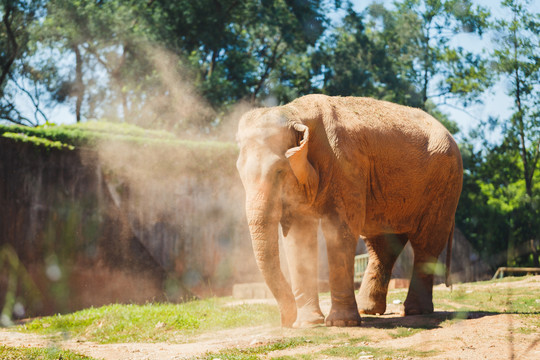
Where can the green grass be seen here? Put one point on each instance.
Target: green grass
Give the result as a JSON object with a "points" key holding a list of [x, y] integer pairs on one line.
{"points": [[154, 322], [155, 150], [400, 332], [90, 133], [258, 351], [38, 141], [489, 296], [310, 338], [341, 350], [11, 353], [486, 296], [354, 352]]}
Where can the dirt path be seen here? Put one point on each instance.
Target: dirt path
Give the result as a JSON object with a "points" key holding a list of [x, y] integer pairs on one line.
{"points": [[486, 337], [481, 336]]}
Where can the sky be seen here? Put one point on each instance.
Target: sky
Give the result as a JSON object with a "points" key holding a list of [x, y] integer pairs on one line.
{"points": [[495, 102]]}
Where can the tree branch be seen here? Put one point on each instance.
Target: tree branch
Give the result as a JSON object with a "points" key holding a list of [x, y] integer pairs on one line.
{"points": [[34, 100], [12, 46], [460, 109], [92, 51], [269, 65], [18, 119]]}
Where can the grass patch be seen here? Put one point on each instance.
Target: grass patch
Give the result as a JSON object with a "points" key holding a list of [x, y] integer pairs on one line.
{"points": [[38, 141], [339, 349], [311, 337], [396, 294], [255, 352], [135, 148], [488, 296], [532, 322], [354, 352], [154, 322], [11, 353], [90, 133], [401, 332]]}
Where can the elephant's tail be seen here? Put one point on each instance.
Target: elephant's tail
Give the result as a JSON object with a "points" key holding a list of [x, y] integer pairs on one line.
{"points": [[449, 255]]}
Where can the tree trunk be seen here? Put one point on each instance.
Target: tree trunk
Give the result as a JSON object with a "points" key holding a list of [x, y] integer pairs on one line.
{"points": [[79, 85]]}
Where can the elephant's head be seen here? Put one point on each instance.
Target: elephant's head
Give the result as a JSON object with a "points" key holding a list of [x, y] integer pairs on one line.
{"points": [[279, 181]]}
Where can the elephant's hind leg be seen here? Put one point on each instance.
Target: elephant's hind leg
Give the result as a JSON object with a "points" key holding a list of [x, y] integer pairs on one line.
{"points": [[341, 245], [383, 251], [427, 246]]}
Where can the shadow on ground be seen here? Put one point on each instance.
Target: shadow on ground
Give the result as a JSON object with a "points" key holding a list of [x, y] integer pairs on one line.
{"points": [[431, 321]]}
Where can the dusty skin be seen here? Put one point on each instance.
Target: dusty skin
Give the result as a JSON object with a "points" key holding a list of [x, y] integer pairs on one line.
{"points": [[481, 336], [363, 167]]}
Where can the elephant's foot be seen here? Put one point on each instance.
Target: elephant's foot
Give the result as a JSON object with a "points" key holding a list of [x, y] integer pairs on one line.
{"points": [[308, 317], [371, 305], [287, 311], [414, 306], [372, 310], [343, 317], [420, 297]]}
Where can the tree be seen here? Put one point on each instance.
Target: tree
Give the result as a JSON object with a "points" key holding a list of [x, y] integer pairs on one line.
{"points": [[517, 59], [500, 206], [358, 58], [352, 64], [418, 34], [100, 38], [494, 211], [17, 20], [163, 63], [243, 49]]}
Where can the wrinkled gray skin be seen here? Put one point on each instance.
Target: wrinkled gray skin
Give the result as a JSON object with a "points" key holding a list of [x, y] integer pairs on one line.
{"points": [[362, 167]]}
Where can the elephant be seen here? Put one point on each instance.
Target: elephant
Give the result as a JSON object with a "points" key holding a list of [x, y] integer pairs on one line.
{"points": [[359, 167]]}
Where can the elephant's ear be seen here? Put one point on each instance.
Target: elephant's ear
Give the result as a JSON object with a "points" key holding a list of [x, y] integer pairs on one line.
{"points": [[303, 170]]}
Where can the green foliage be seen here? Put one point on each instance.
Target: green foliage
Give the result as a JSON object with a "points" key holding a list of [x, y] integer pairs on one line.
{"points": [[171, 64], [517, 58], [92, 132], [496, 211], [17, 277], [499, 210], [353, 64], [417, 37], [49, 353], [38, 141]]}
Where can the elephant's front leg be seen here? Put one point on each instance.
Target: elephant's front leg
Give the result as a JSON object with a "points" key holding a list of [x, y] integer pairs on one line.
{"points": [[302, 256], [341, 245]]}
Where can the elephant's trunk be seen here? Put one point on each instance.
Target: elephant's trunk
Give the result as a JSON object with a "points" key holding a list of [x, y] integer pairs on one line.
{"points": [[263, 225]]}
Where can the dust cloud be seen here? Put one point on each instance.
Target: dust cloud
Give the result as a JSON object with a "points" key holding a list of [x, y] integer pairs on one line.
{"points": [[182, 200], [176, 103]]}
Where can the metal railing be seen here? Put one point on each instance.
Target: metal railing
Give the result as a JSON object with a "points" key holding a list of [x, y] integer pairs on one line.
{"points": [[360, 266]]}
